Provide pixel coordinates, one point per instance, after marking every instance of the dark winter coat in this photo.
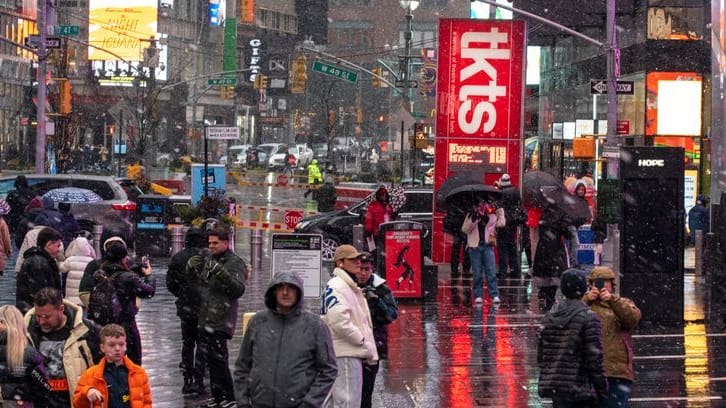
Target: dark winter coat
(384, 311)
(38, 271)
(18, 200)
(286, 360)
(326, 197)
(570, 353)
(29, 382)
(27, 222)
(551, 256)
(130, 285)
(221, 284)
(68, 228)
(698, 219)
(511, 202)
(184, 286)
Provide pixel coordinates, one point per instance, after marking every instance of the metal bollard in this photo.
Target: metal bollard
(256, 250)
(359, 238)
(698, 253)
(97, 232)
(177, 239)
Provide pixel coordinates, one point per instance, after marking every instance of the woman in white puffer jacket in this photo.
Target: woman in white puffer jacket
(78, 254)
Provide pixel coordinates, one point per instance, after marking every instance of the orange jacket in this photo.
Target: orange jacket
(139, 388)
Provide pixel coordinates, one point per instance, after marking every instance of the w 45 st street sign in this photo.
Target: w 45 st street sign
(335, 71)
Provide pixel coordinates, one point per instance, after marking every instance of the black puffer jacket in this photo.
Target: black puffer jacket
(29, 382)
(38, 271)
(185, 286)
(569, 353)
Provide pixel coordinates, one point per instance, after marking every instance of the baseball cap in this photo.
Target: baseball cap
(346, 252)
(366, 257)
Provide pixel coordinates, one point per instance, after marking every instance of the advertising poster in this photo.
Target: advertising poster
(403, 263)
(302, 254)
(124, 30)
(480, 89)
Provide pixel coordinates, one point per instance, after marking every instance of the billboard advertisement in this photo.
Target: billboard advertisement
(124, 30)
(479, 112)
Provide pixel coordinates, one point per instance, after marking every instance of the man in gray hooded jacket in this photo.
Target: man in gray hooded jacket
(287, 357)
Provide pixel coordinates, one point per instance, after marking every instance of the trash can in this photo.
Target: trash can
(152, 236)
(586, 246)
(400, 258)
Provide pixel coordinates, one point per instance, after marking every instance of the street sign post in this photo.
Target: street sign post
(600, 87)
(33, 41)
(222, 132)
(68, 30)
(222, 81)
(335, 71)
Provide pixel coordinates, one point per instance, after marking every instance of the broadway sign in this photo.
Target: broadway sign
(479, 105)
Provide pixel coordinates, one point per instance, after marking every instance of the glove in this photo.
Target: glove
(371, 295)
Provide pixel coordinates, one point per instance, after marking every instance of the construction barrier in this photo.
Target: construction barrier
(257, 225)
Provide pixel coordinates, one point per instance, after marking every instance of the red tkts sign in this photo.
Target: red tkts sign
(480, 77)
(479, 106)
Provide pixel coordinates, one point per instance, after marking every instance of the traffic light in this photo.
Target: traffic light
(64, 92)
(257, 81)
(331, 118)
(299, 75)
(378, 71)
(263, 81)
(359, 116)
(227, 92)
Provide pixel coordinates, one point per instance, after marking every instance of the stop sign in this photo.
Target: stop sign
(282, 180)
(292, 217)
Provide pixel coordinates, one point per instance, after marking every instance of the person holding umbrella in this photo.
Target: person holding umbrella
(480, 229)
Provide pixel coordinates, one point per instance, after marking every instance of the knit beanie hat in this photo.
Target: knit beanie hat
(573, 284)
(115, 249)
(505, 181)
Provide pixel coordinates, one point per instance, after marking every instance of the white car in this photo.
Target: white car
(275, 152)
(303, 156)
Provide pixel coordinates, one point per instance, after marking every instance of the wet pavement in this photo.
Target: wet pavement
(443, 354)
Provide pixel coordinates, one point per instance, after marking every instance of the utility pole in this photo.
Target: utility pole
(42, 90)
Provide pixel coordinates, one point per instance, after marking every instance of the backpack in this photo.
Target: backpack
(517, 216)
(104, 305)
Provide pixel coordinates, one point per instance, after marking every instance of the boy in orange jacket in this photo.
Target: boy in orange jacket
(115, 380)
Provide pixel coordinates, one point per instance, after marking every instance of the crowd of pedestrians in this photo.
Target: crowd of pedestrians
(72, 340)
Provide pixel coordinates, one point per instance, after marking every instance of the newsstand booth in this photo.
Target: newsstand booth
(652, 234)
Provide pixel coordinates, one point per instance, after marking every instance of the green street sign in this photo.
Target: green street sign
(222, 81)
(71, 30)
(335, 71)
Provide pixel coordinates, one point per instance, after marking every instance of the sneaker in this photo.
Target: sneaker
(210, 403)
(496, 299)
(227, 404)
(478, 301)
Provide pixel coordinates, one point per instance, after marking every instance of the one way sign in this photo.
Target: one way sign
(600, 87)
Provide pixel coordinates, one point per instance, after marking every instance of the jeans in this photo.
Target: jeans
(216, 357)
(348, 385)
(457, 247)
(509, 257)
(618, 393)
(482, 260)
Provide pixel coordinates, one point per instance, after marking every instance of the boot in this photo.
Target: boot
(197, 387)
(455, 298)
(187, 385)
(466, 301)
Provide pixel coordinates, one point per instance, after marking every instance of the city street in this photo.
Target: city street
(447, 355)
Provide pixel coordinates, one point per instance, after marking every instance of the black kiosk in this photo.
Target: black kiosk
(652, 231)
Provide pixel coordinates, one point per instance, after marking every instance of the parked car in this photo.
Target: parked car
(270, 149)
(114, 212)
(303, 156)
(320, 151)
(237, 155)
(337, 227)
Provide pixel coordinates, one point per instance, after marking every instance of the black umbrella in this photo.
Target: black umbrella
(540, 188)
(575, 210)
(459, 179)
(467, 196)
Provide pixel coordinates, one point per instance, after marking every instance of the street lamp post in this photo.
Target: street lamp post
(405, 66)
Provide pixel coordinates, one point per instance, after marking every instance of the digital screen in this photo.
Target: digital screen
(485, 158)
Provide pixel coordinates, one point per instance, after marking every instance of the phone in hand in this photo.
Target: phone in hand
(145, 261)
(599, 283)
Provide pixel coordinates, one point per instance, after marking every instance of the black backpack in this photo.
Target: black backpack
(104, 305)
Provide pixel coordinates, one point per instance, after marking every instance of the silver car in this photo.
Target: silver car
(115, 211)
